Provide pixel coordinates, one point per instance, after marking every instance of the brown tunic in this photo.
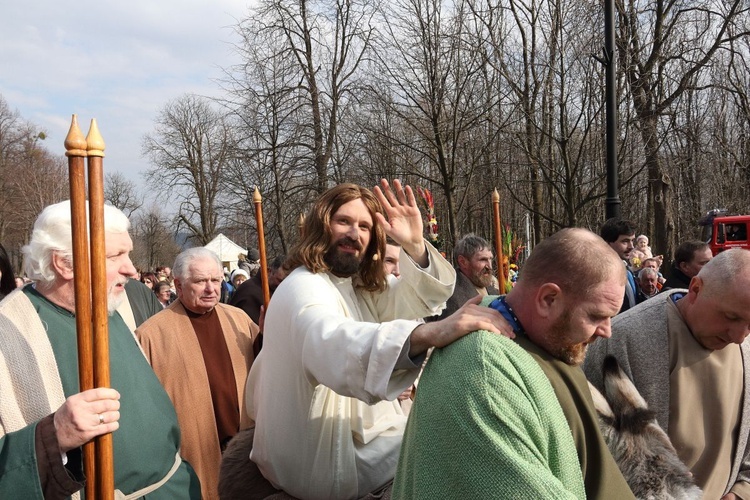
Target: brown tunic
(220, 374)
(704, 416)
(174, 351)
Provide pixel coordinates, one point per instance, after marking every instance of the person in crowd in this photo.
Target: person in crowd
(655, 264)
(249, 295)
(648, 284)
(7, 277)
(45, 417)
(342, 342)
(392, 258)
(474, 276)
(502, 418)
(642, 250)
(238, 277)
(249, 263)
(620, 234)
(163, 273)
(163, 293)
(201, 350)
(689, 259)
(149, 279)
(688, 355)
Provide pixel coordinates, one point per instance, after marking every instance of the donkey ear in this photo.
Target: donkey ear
(619, 388)
(600, 403)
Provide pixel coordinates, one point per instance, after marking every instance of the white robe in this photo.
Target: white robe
(334, 359)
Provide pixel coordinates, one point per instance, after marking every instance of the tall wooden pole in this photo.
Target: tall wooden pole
(257, 201)
(75, 146)
(501, 277)
(99, 292)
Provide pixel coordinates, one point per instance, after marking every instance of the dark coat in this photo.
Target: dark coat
(463, 291)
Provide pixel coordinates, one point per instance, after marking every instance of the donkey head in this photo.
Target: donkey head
(640, 447)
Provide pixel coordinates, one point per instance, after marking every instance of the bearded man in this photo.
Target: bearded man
(343, 340)
(473, 257)
(497, 418)
(44, 417)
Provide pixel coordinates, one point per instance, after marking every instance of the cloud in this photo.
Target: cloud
(119, 62)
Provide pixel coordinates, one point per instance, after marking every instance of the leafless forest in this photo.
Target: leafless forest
(460, 98)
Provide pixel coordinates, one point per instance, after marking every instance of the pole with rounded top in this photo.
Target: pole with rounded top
(501, 276)
(100, 314)
(257, 201)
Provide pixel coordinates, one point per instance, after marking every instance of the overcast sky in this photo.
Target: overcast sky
(118, 62)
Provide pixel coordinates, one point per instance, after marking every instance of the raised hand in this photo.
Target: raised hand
(85, 415)
(404, 222)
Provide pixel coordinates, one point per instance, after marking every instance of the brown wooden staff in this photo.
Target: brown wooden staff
(262, 247)
(502, 278)
(90, 284)
(75, 145)
(99, 292)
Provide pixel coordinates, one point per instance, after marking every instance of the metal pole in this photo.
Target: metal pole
(610, 60)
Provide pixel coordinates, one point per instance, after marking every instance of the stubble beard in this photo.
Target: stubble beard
(560, 345)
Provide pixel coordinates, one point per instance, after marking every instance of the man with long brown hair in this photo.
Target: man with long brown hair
(343, 340)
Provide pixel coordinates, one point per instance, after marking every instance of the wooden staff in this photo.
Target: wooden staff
(501, 276)
(99, 292)
(75, 146)
(262, 247)
(90, 284)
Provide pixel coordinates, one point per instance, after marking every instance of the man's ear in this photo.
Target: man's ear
(694, 288)
(680, 266)
(63, 266)
(462, 262)
(177, 285)
(548, 300)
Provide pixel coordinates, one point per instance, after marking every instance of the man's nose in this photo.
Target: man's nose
(739, 333)
(353, 232)
(128, 269)
(604, 330)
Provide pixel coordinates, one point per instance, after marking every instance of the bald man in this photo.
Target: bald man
(687, 353)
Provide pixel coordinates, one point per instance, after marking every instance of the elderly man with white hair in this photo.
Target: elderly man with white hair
(201, 350)
(44, 417)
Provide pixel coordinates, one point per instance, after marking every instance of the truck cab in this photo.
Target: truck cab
(723, 231)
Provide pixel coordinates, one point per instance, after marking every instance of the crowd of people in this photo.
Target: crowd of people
(379, 369)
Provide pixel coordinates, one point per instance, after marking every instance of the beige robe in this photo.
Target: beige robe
(172, 348)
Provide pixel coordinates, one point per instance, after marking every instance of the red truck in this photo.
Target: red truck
(722, 231)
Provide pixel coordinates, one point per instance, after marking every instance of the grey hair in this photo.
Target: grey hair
(722, 271)
(647, 271)
(183, 260)
(52, 234)
(469, 245)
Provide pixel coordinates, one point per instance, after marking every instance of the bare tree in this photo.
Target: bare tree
(122, 193)
(430, 78)
(154, 242)
(190, 149)
(30, 177)
(664, 48)
(326, 43)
